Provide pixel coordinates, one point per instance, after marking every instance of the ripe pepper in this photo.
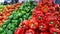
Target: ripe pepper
(56, 5)
(59, 17)
(51, 9)
(37, 32)
(55, 14)
(44, 1)
(37, 8)
(5, 17)
(35, 12)
(44, 33)
(54, 30)
(47, 15)
(51, 21)
(33, 24)
(30, 31)
(40, 17)
(19, 31)
(50, 3)
(40, 5)
(43, 27)
(45, 9)
(0, 17)
(25, 24)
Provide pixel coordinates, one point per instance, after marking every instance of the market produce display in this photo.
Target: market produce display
(45, 20)
(7, 12)
(23, 13)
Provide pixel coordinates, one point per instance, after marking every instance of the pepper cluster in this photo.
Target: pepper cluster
(6, 12)
(45, 20)
(16, 17)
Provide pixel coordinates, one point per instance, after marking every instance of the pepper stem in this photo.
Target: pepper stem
(55, 33)
(32, 25)
(41, 26)
(45, 9)
(40, 18)
(51, 22)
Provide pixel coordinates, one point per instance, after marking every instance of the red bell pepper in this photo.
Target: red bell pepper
(51, 9)
(44, 1)
(40, 17)
(43, 26)
(51, 21)
(25, 24)
(48, 3)
(56, 5)
(45, 9)
(54, 30)
(40, 5)
(30, 31)
(59, 18)
(33, 24)
(19, 31)
(37, 32)
(35, 12)
(47, 15)
(44, 33)
(57, 25)
(55, 14)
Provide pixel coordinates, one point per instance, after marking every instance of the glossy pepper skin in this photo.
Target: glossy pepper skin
(40, 5)
(50, 3)
(19, 31)
(45, 9)
(30, 31)
(33, 24)
(57, 25)
(59, 17)
(47, 15)
(51, 9)
(40, 17)
(35, 12)
(56, 5)
(43, 26)
(25, 24)
(55, 14)
(51, 21)
(37, 32)
(54, 30)
(44, 33)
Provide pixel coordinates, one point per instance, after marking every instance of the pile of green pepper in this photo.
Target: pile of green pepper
(23, 13)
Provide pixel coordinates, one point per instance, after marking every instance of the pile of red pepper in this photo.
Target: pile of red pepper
(45, 20)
